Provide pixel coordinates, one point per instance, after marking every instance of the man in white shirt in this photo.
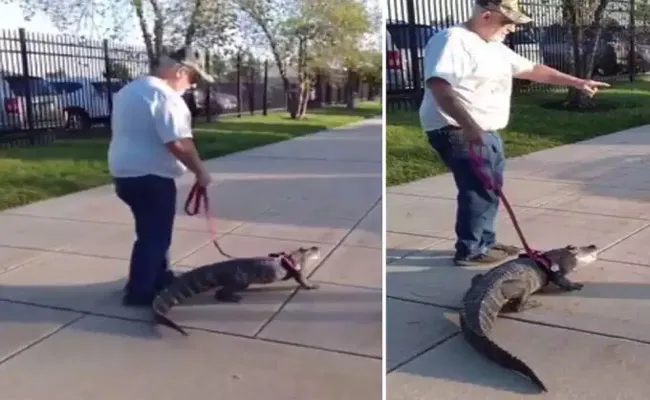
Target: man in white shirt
(151, 145)
(468, 74)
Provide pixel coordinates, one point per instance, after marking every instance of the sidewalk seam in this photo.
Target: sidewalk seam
(40, 340)
(323, 261)
(422, 352)
(526, 321)
(84, 314)
(541, 207)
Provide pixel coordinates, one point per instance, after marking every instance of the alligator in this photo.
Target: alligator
(507, 288)
(234, 275)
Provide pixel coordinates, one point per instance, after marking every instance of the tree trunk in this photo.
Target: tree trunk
(146, 35)
(349, 90)
(191, 29)
(158, 22)
(583, 62)
(293, 101)
(273, 43)
(304, 99)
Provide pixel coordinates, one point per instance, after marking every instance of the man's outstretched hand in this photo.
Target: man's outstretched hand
(589, 87)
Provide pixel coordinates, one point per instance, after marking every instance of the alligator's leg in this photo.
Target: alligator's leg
(518, 297)
(520, 304)
(564, 283)
(227, 295)
(230, 284)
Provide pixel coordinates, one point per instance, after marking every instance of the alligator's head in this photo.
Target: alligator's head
(568, 258)
(301, 258)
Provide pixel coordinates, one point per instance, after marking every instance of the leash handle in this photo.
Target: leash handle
(198, 196)
(477, 161)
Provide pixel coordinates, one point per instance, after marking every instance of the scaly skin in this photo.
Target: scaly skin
(507, 288)
(231, 276)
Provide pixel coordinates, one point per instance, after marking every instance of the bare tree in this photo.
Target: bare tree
(161, 22)
(310, 35)
(583, 17)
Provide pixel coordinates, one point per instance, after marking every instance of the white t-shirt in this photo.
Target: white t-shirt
(479, 72)
(147, 113)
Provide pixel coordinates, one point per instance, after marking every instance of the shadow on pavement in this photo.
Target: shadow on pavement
(104, 299)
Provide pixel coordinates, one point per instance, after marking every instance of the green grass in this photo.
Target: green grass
(532, 128)
(32, 174)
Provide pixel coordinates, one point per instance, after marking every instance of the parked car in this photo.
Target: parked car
(220, 102)
(398, 53)
(394, 68)
(612, 50)
(47, 112)
(85, 100)
(524, 41)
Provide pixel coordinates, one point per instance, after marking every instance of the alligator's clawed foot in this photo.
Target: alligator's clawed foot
(517, 306)
(563, 283)
(227, 297)
(530, 304)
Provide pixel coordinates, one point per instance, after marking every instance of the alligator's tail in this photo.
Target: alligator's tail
(162, 304)
(492, 351)
(181, 289)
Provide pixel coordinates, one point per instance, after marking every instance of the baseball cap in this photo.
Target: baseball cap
(508, 8)
(190, 58)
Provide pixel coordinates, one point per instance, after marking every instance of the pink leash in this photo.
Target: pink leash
(495, 185)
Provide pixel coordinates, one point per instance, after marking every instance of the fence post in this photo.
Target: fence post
(265, 93)
(632, 52)
(238, 84)
(109, 74)
(415, 61)
(208, 89)
(28, 92)
(330, 95)
(251, 87)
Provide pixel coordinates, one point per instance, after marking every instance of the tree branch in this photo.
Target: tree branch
(191, 28)
(146, 35)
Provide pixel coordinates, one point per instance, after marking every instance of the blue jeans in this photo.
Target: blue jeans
(152, 200)
(476, 207)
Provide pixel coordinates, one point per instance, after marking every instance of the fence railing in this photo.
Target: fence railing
(623, 48)
(63, 84)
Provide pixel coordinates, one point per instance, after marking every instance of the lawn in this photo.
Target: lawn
(32, 174)
(532, 128)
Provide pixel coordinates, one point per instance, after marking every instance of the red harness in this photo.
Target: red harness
(496, 184)
(199, 195)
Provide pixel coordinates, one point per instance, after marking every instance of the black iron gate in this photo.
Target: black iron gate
(410, 24)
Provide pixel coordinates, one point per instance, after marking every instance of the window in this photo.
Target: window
(101, 86)
(523, 37)
(66, 87)
(37, 86)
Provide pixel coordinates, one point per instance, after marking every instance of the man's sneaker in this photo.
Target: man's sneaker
(167, 279)
(491, 257)
(128, 300)
(509, 250)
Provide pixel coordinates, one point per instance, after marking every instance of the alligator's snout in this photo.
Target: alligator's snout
(305, 256)
(587, 254)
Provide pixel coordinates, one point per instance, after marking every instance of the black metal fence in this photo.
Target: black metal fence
(623, 48)
(51, 84)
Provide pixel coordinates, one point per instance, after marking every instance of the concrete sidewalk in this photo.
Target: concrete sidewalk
(591, 344)
(63, 264)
